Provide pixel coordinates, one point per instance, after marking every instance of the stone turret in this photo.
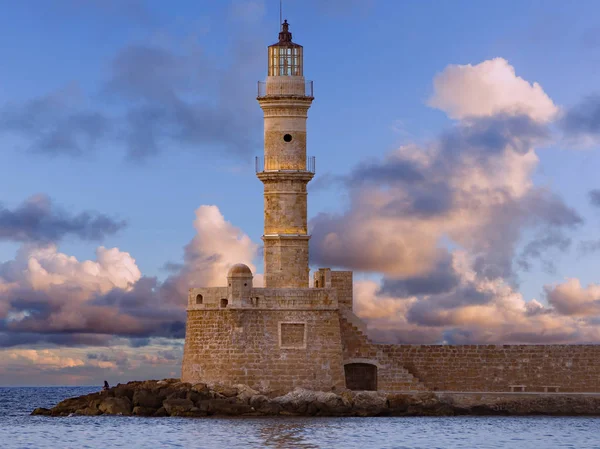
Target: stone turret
(239, 285)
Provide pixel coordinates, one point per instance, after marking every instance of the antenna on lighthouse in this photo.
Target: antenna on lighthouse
(280, 14)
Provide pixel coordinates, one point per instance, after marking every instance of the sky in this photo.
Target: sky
(457, 147)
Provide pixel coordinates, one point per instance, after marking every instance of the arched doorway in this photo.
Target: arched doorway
(361, 376)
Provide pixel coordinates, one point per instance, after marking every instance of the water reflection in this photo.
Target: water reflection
(19, 430)
(284, 434)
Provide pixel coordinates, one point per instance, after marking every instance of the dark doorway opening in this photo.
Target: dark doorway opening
(361, 376)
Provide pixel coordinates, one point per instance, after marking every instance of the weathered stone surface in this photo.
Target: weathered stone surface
(225, 390)
(494, 368)
(92, 410)
(161, 412)
(116, 406)
(146, 398)
(143, 411)
(42, 411)
(369, 403)
(303, 402)
(177, 407)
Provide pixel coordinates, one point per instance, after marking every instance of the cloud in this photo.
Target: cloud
(472, 186)
(170, 98)
(445, 222)
(51, 298)
(581, 123)
(473, 310)
(441, 279)
(536, 248)
(89, 366)
(570, 298)
(487, 89)
(59, 123)
(166, 93)
(38, 220)
(594, 196)
(587, 247)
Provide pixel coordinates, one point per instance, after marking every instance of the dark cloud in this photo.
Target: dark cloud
(583, 119)
(536, 249)
(392, 171)
(594, 196)
(50, 317)
(155, 96)
(38, 220)
(433, 310)
(56, 123)
(10, 339)
(442, 279)
(587, 247)
(486, 136)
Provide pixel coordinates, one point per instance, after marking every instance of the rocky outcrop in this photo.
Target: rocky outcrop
(170, 397)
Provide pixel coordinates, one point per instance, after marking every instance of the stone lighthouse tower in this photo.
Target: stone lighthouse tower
(285, 98)
(285, 334)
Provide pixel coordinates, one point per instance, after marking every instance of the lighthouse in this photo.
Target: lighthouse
(285, 170)
(284, 334)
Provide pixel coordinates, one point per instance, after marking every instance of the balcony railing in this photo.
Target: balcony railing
(280, 164)
(285, 86)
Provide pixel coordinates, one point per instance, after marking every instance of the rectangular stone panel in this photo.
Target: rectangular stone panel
(292, 335)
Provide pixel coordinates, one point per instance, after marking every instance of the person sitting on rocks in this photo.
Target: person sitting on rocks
(106, 386)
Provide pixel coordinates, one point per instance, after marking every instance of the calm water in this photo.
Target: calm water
(19, 430)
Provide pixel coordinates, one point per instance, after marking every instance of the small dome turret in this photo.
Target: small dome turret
(239, 270)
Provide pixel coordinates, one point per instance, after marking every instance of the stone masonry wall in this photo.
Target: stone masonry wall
(342, 282)
(246, 346)
(391, 375)
(286, 261)
(571, 368)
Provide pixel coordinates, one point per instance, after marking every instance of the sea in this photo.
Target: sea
(20, 430)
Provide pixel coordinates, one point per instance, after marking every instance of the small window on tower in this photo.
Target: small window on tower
(287, 137)
(199, 299)
(224, 303)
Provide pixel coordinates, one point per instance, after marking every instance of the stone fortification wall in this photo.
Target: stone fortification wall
(529, 368)
(264, 349)
(391, 376)
(265, 298)
(341, 281)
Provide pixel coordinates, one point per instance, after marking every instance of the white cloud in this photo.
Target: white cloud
(489, 88)
(46, 269)
(571, 298)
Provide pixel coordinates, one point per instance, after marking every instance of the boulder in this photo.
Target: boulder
(147, 398)
(143, 411)
(42, 411)
(161, 412)
(244, 392)
(227, 407)
(115, 406)
(302, 401)
(88, 411)
(200, 388)
(177, 407)
(225, 391)
(369, 403)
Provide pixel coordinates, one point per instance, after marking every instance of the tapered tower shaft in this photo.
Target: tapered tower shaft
(285, 98)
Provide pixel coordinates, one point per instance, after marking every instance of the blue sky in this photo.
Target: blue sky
(78, 71)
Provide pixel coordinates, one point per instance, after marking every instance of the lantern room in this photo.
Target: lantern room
(285, 57)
